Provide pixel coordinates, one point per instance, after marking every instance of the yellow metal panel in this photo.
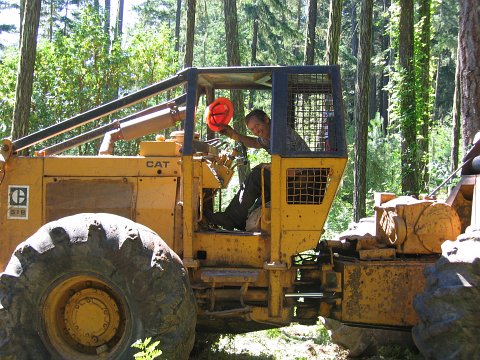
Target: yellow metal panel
(111, 166)
(232, 248)
(275, 295)
(309, 216)
(275, 209)
(20, 203)
(377, 254)
(188, 192)
(294, 242)
(156, 201)
(213, 176)
(160, 148)
(207, 175)
(381, 292)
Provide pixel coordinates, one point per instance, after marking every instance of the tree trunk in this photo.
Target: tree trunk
(456, 111)
(299, 14)
(353, 18)
(253, 47)
(424, 110)
(177, 25)
(65, 17)
(372, 99)
(22, 13)
(106, 26)
(119, 22)
(233, 59)
(309, 55)
(362, 92)
(469, 45)
(333, 33)
(205, 47)
(297, 47)
(26, 66)
(188, 59)
(436, 102)
(408, 122)
(231, 32)
(253, 56)
(384, 78)
(50, 22)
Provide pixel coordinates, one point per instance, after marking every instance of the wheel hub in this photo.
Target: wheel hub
(91, 317)
(83, 316)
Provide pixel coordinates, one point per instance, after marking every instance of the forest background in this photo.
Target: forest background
(403, 77)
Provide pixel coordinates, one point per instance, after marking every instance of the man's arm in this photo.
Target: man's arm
(248, 141)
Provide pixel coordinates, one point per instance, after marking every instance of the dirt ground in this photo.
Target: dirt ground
(292, 342)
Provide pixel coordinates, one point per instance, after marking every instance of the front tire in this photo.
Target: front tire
(90, 285)
(448, 308)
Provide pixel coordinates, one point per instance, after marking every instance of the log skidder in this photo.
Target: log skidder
(89, 285)
(448, 309)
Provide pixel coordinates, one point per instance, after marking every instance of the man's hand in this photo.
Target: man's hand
(227, 130)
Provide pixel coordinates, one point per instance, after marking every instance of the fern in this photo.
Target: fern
(148, 350)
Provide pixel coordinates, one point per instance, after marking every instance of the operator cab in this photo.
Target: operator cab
(304, 99)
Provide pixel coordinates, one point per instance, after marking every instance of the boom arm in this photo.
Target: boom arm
(141, 126)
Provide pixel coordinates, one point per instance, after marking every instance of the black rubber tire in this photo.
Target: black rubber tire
(449, 324)
(131, 258)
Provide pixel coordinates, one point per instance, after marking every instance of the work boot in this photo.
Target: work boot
(220, 219)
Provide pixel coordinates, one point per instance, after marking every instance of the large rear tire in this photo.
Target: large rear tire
(90, 285)
(449, 307)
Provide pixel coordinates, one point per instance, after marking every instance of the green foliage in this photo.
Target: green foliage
(150, 57)
(8, 76)
(440, 148)
(383, 175)
(75, 73)
(323, 335)
(383, 162)
(273, 333)
(148, 349)
(277, 34)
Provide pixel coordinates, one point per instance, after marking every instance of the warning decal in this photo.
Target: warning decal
(18, 198)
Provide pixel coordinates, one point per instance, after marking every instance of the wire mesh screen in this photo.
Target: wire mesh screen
(307, 185)
(310, 110)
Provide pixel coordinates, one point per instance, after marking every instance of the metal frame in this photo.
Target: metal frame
(199, 81)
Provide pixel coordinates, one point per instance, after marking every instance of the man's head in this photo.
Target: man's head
(258, 123)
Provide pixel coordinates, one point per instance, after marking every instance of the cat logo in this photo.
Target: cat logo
(18, 199)
(158, 164)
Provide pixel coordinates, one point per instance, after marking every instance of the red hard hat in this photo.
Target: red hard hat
(218, 113)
